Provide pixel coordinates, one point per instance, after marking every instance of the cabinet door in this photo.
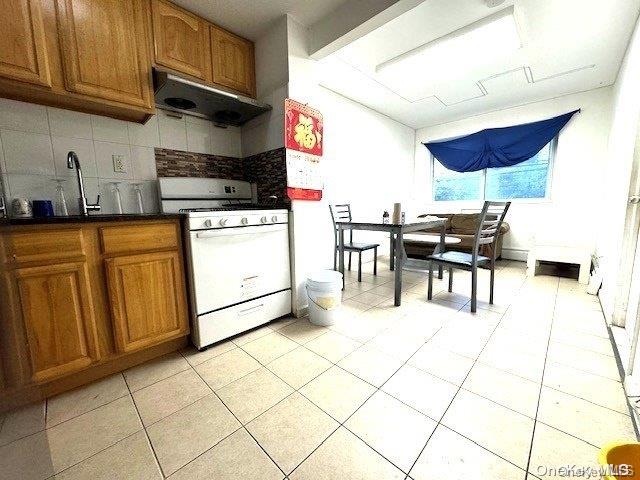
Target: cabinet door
(147, 295)
(104, 52)
(58, 317)
(181, 40)
(23, 54)
(233, 61)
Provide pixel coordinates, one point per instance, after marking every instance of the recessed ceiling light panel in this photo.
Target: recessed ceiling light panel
(481, 42)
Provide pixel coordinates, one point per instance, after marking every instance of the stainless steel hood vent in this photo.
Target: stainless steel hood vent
(180, 95)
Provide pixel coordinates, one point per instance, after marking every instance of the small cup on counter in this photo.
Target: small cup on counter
(21, 208)
(42, 208)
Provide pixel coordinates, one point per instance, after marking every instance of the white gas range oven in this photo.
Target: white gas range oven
(238, 256)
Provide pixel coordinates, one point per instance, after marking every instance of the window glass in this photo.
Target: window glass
(528, 179)
(449, 185)
(525, 180)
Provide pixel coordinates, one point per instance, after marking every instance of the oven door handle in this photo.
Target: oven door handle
(252, 230)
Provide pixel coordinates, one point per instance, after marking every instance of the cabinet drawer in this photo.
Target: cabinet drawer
(139, 238)
(48, 245)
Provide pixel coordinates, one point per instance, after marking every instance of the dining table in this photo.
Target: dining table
(396, 232)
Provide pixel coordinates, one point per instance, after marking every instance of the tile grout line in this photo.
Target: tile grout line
(439, 422)
(535, 422)
(377, 389)
(45, 428)
(135, 406)
(242, 426)
(97, 453)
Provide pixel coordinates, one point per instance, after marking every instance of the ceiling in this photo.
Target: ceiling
(250, 18)
(566, 46)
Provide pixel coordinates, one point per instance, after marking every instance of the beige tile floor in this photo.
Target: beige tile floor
(424, 391)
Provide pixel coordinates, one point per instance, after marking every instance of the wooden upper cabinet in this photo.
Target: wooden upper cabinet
(148, 299)
(104, 50)
(23, 52)
(233, 61)
(57, 311)
(181, 40)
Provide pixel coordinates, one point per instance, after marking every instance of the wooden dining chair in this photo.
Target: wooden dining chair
(489, 224)
(342, 213)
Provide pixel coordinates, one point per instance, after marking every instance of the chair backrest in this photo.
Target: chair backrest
(340, 213)
(489, 224)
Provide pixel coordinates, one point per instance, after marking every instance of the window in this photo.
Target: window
(529, 179)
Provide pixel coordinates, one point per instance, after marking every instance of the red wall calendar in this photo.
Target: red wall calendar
(304, 143)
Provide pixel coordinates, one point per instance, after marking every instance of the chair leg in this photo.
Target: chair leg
(359, 266)
(349, 261)
(430, 288)
(335, 259)
(375, 260)
(450, 279)
(474, 289)
(491, 280)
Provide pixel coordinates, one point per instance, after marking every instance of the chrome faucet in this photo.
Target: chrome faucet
(85, 207)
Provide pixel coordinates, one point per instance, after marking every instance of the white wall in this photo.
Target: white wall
(624, 129)
(573, 210)
(35, 141)
(266, 132)
(367, 161)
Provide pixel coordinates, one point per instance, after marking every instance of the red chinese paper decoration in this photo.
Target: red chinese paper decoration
(303, 128)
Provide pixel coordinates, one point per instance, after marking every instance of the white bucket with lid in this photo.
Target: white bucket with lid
(324, 289)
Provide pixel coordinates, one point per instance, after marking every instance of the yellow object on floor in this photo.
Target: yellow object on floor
(621, 461)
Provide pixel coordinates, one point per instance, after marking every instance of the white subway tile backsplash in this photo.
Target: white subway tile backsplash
(107, 129)
(83, 148)
(173, 131)
(143, 160)
(25, 117)
(198, 135)
(33, 187)
(27, 153)
(225, 141)
(67, 123)
(35, 140)
(146, 135)
(104, 160)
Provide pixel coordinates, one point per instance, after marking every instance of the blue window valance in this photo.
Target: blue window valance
(497, 147)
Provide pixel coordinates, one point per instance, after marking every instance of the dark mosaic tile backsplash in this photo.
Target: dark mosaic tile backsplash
(267, 170)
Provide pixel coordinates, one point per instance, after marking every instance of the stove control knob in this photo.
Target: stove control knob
(207, 223)
(264, 220)
(274, 219)
(244, 220)
(223, 222)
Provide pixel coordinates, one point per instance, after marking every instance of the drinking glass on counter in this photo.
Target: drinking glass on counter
(137, 188)
(60, 206)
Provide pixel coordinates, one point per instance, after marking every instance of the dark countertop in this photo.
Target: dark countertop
(92, 218)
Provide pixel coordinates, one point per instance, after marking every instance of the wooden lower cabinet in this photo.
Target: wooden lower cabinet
(57, 311)
(76, 312)
(146, 294)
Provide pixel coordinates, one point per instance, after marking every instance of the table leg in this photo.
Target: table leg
(440, 248)
(341, 253)
(398, 275)
(391, 252)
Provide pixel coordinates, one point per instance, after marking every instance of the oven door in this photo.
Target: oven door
(233, 265)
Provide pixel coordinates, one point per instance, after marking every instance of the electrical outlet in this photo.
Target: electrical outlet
(118, 164)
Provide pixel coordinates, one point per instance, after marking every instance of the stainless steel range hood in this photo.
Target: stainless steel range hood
(180, 95)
